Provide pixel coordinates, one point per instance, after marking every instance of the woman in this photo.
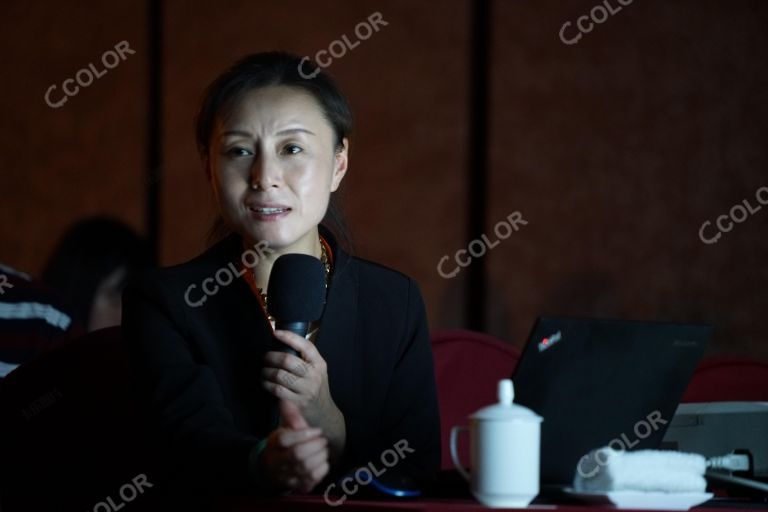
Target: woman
(275, 147)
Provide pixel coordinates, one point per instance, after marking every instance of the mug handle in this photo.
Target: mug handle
(454, 453)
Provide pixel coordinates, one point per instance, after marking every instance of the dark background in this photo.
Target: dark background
(615, 149)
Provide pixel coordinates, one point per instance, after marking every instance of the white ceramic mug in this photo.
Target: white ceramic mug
(504, 452)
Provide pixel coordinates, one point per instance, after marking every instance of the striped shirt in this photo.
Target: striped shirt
(32, 319)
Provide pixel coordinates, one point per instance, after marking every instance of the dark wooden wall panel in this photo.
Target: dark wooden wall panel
(85, 157)
(616, 150)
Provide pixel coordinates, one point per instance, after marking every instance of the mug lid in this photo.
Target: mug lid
(506, 409)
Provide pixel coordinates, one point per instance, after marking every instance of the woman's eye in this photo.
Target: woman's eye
(236, 151)
(292, 149)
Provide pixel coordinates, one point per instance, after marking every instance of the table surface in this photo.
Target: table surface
(314, 503)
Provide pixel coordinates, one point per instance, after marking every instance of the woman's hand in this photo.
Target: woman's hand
(303, 381)
(296, 456)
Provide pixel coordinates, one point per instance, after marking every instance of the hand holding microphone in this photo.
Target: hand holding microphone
(304, 383)
(296, 298)
(295, 370)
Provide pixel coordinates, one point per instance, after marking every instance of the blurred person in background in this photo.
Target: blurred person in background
(32, 319)
(90, 266)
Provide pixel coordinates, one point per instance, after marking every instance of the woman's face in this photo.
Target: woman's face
(273, 166)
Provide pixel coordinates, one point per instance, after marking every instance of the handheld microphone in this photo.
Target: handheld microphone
(296, 294)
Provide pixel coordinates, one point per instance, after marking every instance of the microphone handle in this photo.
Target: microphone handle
(301, 328)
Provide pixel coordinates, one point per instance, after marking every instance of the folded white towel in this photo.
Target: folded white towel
(607, 469)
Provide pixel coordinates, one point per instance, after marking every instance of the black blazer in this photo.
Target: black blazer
(200, 366)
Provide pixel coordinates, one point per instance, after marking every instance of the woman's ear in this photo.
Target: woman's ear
(340, 163)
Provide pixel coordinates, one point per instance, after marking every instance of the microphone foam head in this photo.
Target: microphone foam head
(296, 291)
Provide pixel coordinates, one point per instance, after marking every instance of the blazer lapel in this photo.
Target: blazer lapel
(336, 339)
(242, 334)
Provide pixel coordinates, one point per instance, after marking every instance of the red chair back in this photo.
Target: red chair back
(468, 367)
(728, 378)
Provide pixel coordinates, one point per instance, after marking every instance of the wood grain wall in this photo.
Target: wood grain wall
(615, 149)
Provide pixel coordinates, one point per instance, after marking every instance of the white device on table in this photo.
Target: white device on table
(716, 428)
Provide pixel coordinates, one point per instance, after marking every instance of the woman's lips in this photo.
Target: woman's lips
(269, 213)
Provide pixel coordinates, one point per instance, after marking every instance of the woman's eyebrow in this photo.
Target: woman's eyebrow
(289, 131)
(241, 133)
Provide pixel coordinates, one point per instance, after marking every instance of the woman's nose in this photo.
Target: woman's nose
(265, 173)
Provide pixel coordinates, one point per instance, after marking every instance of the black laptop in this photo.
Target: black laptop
(603, 382)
